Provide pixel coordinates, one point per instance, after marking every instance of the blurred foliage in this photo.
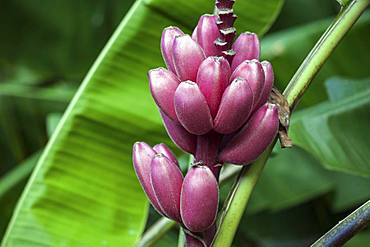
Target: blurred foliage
(84, 187)
(329, 132)
(23, 110)
(300, 12)
(11, 187)
(58, 38)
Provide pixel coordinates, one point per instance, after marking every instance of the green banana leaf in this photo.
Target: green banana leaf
(293, 176)
(336, 132)
(359, 240)
(339, 88)
(350, 191)
(287, 167)
(297, 226)
(290, 178)
(83, 191)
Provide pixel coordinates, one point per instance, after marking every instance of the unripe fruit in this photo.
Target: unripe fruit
(142, 156)
(207, 33)
(163, 84)
(269, 81)
(213, 78)
(182, 138)
(162, 148)
(187, 56)
(191, 108)
(235, 107)
(166, 179)
(254, 138)
(168, 37)
(199, 199)
(252, 71)
(246, 47)
(194, 34)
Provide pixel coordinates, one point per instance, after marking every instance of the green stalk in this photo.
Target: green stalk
(246, 181)
(323, 49)
(155, 232)
(238, 198)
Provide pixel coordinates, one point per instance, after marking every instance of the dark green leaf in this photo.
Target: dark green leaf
(299, 226)
(337, 133)
(339, 88)
(360, 240)
(299, 12)
(290, 178)
(350, 191)
(58, 38)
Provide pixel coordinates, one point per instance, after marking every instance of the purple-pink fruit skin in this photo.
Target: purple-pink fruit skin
(183, 139)
(187, 56)
(252, 71)
(190, 241)
(254, 138)
(269, 82)
(213, 78)
(191, 108)
(163, 84)
(194, 34)
(168, 37)
(209, 234)
(142, 155)
(235, 107)
(246, 47)
(162, 148)
(166, 179)
(207, 33)
(199, 199)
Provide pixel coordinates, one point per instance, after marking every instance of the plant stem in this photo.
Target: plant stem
(181, 241)
(322, 50)
(346, 228)
(155, 232)
(239, 196)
